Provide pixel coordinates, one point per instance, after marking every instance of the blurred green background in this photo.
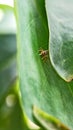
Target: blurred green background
(10, 111)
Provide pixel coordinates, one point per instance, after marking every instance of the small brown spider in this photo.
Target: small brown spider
(43, 54)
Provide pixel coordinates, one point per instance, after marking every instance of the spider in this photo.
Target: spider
(43, 53)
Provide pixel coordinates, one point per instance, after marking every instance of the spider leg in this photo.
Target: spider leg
(43, 54)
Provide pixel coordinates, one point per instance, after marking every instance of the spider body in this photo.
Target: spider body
(43, 54)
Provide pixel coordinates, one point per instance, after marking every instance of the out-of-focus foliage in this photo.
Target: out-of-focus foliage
(11, 117)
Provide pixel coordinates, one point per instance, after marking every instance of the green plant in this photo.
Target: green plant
(44, 88)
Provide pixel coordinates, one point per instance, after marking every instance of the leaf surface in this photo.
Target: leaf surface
(60, 22)
(40, 85)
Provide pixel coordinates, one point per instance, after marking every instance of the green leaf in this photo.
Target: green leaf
(39, 83)
(48, 122)
(60, 22)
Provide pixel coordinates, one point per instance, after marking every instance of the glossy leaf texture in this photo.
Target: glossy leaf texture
(40, 85)
(60, 22)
